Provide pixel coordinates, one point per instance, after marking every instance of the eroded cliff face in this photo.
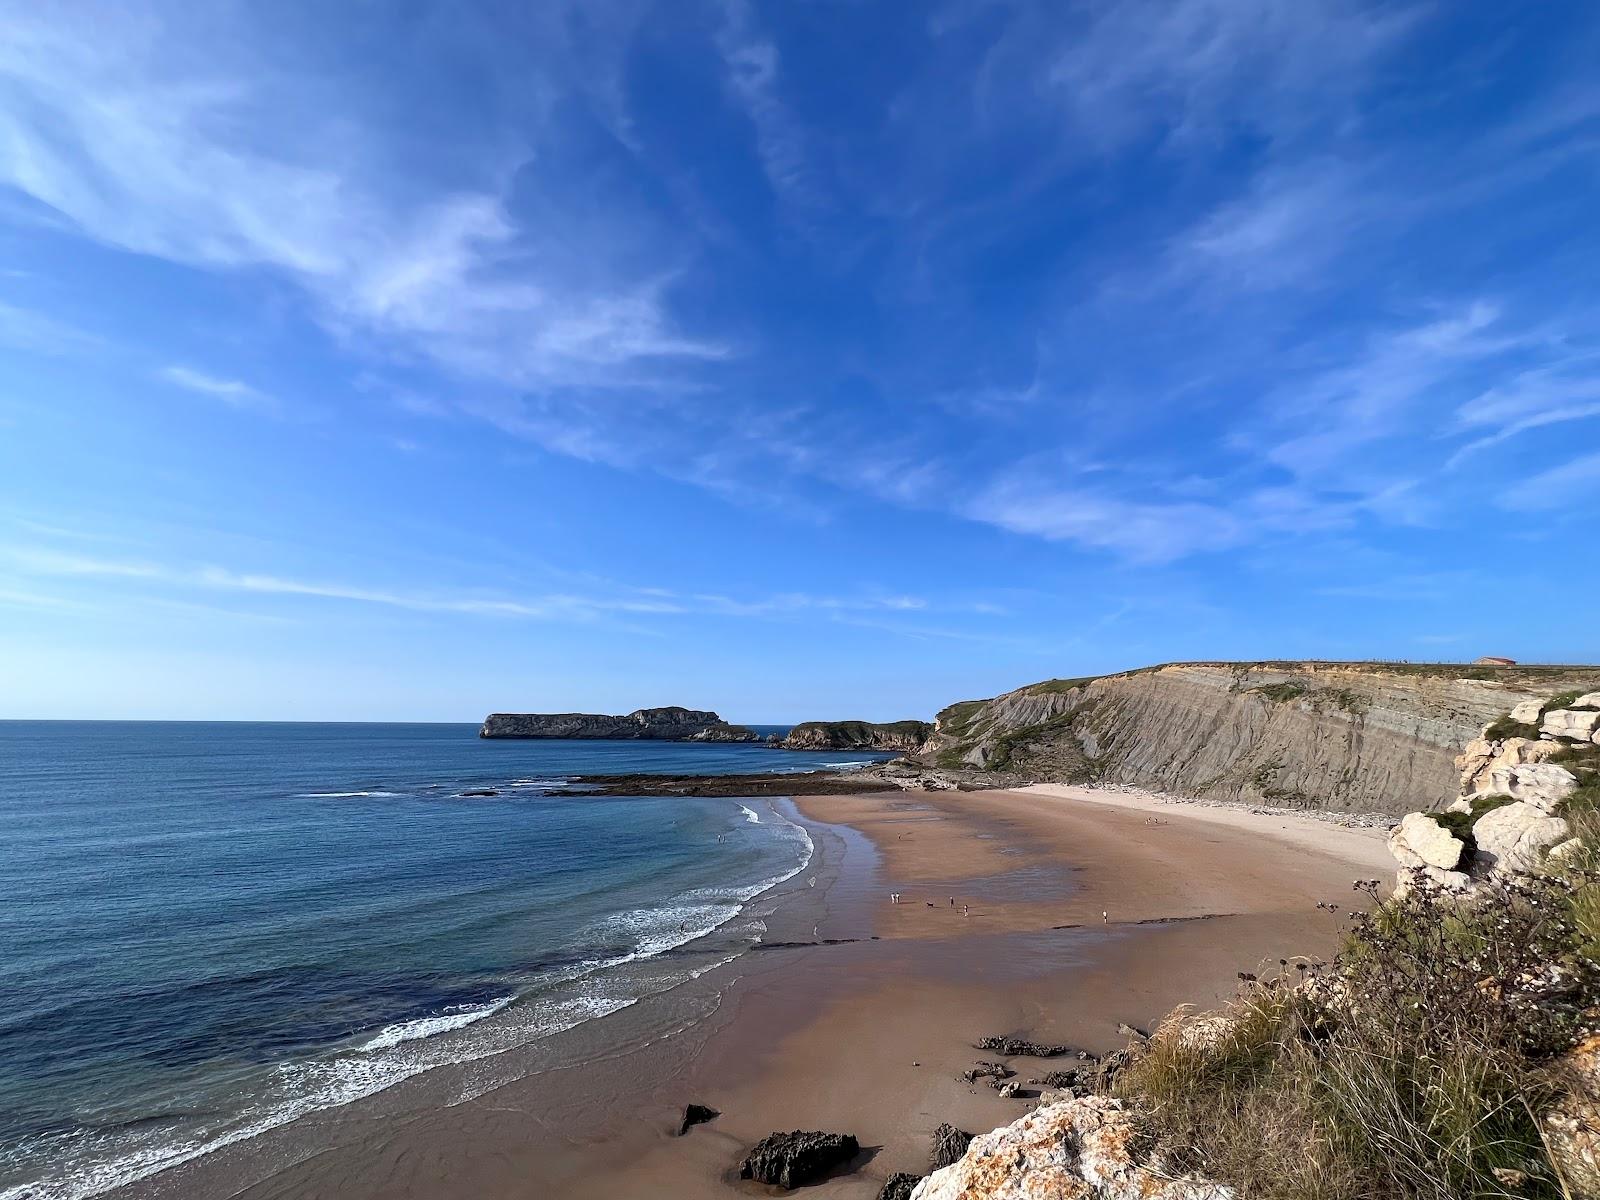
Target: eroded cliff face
(1350, 736)
(662, 724)
(902, 736)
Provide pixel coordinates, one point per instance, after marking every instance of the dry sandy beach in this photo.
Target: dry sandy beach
(1049, 912)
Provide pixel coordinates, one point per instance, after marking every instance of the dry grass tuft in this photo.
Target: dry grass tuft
(1411, 1067)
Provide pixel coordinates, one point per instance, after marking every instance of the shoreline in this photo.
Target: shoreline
(868, 1034)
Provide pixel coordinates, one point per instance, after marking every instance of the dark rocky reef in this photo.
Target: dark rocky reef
(1021, 1046)
(672, 724)
(949, 1144)
(904, 736)
(797, 783)
(788, 1160)
(900, 1185)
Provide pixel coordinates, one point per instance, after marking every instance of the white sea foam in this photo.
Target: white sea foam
(750, 815)
(410, 1048)
(341, 795)
(457, 1017)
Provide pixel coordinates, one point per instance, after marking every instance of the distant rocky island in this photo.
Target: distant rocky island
(670, 724)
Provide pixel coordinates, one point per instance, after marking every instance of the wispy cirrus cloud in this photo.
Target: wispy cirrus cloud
(233, 392)
(1560, 487)
(173, 144)
(564, 605)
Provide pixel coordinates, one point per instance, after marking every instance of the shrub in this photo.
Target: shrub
(1410, 1068)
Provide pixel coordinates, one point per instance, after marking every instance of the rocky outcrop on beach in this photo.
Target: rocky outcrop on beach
(1515, 781)
(670, 724)
(788, 1160)
(1360, 737)
(903, 736)
(1079, 1149)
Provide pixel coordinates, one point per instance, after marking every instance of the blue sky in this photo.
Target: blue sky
(814, 359)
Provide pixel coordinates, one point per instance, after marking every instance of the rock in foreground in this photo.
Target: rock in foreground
(899, 1186)
(949, 1144)
(1076, 1150)
(696, 1114)
(790, 1159)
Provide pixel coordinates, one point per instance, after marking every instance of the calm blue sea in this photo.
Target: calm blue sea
(209, 929)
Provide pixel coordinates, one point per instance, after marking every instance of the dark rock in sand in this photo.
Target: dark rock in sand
(949, 1144)
(696, 1114)
(1106, 1072)
(1061, 1080)
(987, 1070)
(790, 1159)
(1009, 1045)
(900, 1186)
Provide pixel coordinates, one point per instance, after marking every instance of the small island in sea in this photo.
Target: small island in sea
(669, 724)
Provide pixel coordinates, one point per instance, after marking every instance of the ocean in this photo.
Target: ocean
(210, 929)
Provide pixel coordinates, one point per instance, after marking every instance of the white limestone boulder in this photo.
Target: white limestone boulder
(1420, 841)
(1514, 838)
(1572, 1125)
(1082, 1149)
(1409, 879)
(1592, 700)
(1527, 713)
(1578, 725)
(1482, 756)
(1544, 785)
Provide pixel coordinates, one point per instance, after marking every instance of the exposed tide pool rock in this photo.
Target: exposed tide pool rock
(1081, 1149)
(788, 1160)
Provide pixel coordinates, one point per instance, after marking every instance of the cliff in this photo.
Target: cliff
(902, 736)
(1372, 737)
(671, 724)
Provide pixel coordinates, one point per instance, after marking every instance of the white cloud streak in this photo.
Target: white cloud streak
(168, 143)
(232, 392)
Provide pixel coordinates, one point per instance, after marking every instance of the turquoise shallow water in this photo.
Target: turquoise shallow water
(208, 929)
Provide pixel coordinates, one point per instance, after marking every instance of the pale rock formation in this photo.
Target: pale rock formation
(1572, 1126)
(1580, 726)
(1420, 841)
(1451, 881)
(1546, 786)
(1080, 1149)
(1592, 700)
(1516, 837)
(1483, 755)
(1527, 713)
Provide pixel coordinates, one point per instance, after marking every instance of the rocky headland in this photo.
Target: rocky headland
(1356, 737)
(905, 736)
(671, 724)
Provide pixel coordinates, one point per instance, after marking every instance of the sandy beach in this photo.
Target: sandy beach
(1053, 913)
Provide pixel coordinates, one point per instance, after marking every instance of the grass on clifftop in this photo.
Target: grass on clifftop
(1414, 1067)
